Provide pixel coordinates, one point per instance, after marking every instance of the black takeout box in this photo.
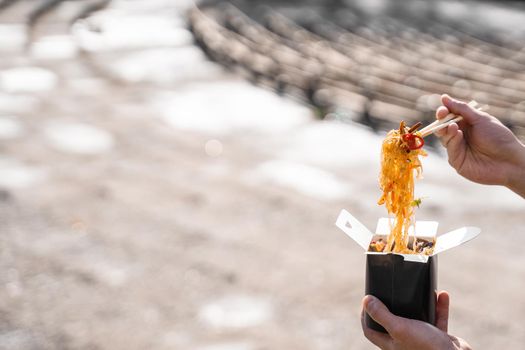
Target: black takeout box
(405, 283)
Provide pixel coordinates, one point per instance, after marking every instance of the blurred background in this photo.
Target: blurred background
(171, 171)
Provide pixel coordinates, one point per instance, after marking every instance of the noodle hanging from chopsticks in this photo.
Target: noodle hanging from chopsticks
(400, 164)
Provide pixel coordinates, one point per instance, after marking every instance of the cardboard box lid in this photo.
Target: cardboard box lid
(362, 236)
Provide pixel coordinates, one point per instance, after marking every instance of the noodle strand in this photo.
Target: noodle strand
(399, 166)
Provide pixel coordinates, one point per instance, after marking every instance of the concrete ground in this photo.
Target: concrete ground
(151, 200)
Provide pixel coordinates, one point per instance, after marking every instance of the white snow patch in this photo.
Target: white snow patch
(10, 127)
(164, 66)
(17, 103)
(78, 138)
(12, 37)
(237, 311)
(224, 107)
(305, 179)
(15, 175)
(330, 143)
(56, 47)
(27, 79)
(460, 195)
(116, 30)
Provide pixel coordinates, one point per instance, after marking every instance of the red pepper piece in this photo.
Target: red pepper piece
(413, 141)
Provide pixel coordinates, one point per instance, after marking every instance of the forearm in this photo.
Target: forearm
(516, 176)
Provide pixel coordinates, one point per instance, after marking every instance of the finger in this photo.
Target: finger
(381, 340)
(380, 313)
(442, 311)
(471, 115)
(448, 133)
(456, 149)
(441, 133)
(452, 130)
(442, 112)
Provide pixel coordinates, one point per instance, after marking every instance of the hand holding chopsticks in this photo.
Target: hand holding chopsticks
(443, 123)
(413, 139)
(483, 150)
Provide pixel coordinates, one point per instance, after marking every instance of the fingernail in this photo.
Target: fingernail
(371, 301)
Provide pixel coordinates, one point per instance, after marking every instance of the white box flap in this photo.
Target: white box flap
(383, 226)
(415, 257)
(354, 229)
(423, 229)
(454, 238)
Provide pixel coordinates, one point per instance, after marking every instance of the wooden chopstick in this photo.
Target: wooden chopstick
(444, 122)
(450, 116)
(440, 126)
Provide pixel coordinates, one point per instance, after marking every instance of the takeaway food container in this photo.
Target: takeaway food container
(405, 283)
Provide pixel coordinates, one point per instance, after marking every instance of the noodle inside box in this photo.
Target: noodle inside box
(405, 283)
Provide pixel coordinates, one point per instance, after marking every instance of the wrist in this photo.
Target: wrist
(516, 174)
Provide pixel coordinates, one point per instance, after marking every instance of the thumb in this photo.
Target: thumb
(442, 311)
(380, 313)
(469, 114)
